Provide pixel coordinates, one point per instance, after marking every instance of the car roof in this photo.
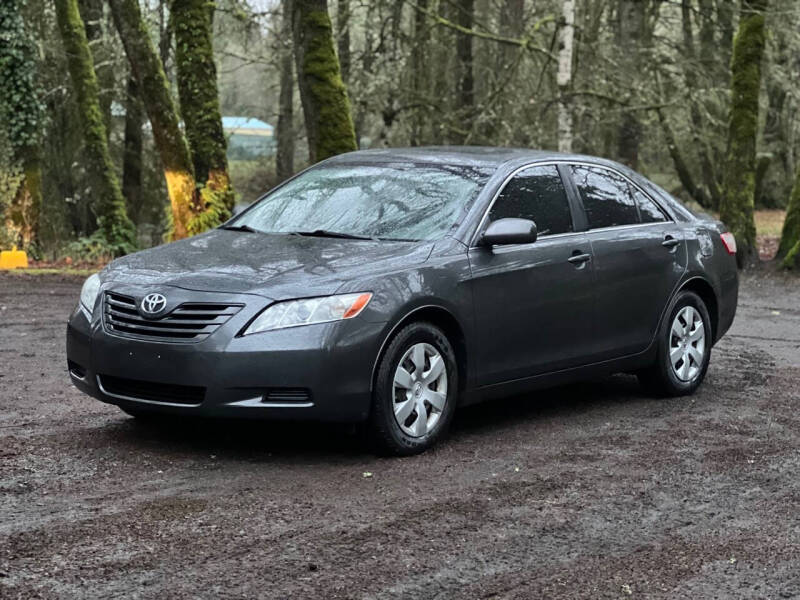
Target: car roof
(484, 156)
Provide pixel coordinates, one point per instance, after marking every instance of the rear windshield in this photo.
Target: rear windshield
(393, 201)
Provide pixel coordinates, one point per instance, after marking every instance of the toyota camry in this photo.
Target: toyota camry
(392, 287)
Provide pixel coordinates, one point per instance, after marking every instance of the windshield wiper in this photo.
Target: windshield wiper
(332, 234)
(245, 228)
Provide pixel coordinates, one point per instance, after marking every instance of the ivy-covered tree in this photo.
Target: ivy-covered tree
(188, 209)
(738, 190)
(326, 105)
(193, 26)
(21, 117)
(108, 203)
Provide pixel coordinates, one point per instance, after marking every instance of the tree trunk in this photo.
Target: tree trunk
(326, 106)
(169, 139)
(736, 209)
(21, 114)
(566, 37)
(630, 34)
(465, 95)
(132, 153)
(711, 193)
(789, 248)
(108, 202)
(92, 14)
(343, 37)
(284, 157)
(193, 27)
(420, 73)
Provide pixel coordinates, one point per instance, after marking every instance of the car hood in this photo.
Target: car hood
(272, 265)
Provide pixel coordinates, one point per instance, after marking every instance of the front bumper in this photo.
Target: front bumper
(316, 372)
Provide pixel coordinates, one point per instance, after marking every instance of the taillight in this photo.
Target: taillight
(729, 241)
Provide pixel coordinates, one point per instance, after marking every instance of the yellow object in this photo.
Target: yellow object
(12, 259)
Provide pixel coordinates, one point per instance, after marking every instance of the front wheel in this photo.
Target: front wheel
(684, 349)
(415, 391)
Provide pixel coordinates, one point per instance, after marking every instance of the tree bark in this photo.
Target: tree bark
(92, 14)
(146, 65)
(737, 205)
(343, 37)
(132, 152)
(284, 157)
(789, 248)
(193, 24)
(566, 37)
(630, 34)
(108, 202)
(420, 73)
(465, 96)
(711, 195)
(326, 106)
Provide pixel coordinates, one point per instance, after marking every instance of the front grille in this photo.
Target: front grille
(153, 391)
(189, 322)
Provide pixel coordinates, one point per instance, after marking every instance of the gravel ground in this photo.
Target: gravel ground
(586, 491)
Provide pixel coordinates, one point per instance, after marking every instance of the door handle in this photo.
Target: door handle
(670, 242)
(577, 259)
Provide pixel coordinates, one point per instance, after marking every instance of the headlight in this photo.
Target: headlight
(91, 288)
(293, 313)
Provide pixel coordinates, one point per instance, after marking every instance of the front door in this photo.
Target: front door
(533, 302)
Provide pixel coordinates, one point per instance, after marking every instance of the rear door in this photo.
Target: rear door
(534, 302)
(639, 257)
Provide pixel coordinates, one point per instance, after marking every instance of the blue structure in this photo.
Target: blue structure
(248, 138)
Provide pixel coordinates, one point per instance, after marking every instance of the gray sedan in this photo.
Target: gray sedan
(390, 287)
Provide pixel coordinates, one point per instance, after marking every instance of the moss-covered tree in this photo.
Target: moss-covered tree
(188, 209)
(284, 132)
(192, 25)
(738, 190)
(21, 117)
(326, 106)
(108, 203)
(789, 249)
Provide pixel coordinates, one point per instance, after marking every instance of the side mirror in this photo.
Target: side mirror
(504, 232)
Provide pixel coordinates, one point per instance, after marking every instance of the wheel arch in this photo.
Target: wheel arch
(708, 295)
(444, 319)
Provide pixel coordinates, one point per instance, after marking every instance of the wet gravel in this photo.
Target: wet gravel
(586, 491)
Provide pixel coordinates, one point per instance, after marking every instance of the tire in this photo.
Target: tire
(436, 391)
(678, 370)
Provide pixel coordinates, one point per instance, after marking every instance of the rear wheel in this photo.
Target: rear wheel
(415, 391)
(684, 349)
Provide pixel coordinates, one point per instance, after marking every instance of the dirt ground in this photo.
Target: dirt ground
(588, 491)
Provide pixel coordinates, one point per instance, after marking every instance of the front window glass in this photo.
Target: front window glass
(606, 197)
(536, 194)
(391, 201)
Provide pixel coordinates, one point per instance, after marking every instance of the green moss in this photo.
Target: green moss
(108, 202)
(790, 237)
(192, 23)
(326, 105)
(737, 205)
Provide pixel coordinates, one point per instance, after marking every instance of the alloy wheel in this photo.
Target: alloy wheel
(687, 343)
(419, 390)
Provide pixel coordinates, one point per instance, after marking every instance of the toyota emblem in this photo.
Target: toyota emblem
(152, 304)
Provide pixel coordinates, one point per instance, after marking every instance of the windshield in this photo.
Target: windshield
(397, 201)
